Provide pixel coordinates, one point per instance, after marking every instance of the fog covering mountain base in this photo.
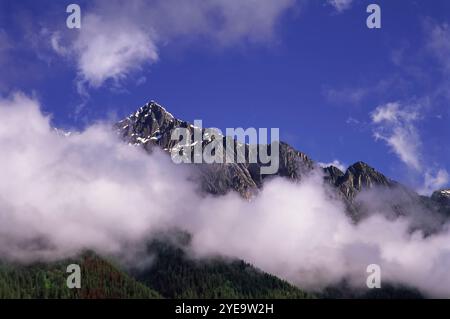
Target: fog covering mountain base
(61, 194)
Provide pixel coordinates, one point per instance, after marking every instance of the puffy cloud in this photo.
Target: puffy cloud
(120, 37)
(111, 50)
(60, 194)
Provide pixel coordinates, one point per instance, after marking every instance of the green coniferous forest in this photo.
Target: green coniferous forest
(171, 275)
(100, 279)
(175, 275)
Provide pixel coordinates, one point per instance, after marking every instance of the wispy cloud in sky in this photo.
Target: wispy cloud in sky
(435, 182)
(118, 38)
(341, 5)
(357, 95)
(395, 125)
(418, 80)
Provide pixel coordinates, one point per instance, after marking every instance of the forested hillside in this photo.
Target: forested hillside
(100, 279)
(175, 275)
(172, 275)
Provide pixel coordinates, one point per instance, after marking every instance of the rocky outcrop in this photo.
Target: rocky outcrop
(360, 176)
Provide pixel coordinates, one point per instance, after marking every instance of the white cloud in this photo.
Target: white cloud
(388, 112)
(251, 19)
(433, 182)
(111, 50)
(405, 142)
(69, 193)
(340, 5)
(335, 163)
(62, 194)
(118, 38)
(395, 125)
(393, 113)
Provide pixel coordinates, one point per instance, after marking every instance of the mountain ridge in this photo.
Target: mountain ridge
(152, 125)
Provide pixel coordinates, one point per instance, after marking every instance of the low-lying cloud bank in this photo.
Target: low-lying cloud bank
(63, 194)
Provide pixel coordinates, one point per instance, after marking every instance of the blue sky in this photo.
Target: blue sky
(336, 89)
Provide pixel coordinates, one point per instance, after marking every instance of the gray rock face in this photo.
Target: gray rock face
(152, 126)
(360, 176)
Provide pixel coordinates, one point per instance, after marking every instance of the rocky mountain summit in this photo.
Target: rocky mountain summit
(152, 126)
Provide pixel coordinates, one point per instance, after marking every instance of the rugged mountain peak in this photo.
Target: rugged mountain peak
(367, 174)
(360, 166)
(154, 109)
(152, 125)
(360, 176)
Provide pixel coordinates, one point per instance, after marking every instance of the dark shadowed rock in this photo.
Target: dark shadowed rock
(332, 174)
